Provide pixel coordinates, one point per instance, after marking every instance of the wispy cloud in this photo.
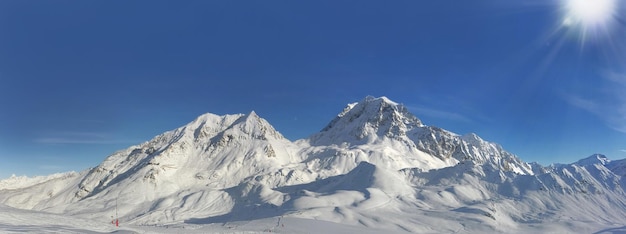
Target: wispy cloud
(616, 77)
(83, 134)
(50, 167)
(624, 150)
(584, 104)
(80, 138)
(58, 140)
(434, 113)
(611, 106)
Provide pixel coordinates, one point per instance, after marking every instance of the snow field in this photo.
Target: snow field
(375, 168)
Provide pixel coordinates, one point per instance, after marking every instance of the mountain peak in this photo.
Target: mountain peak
(593, 159)
(373, 155)
(381, 99)
(253, 114)
(472, 138)
(368, 119)
(255, 126)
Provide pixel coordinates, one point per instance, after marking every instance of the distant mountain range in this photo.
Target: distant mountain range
(374, 165)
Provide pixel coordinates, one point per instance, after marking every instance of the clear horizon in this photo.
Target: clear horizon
(81, 80)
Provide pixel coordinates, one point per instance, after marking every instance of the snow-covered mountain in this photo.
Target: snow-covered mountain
(593, 159)
(385, 133)
(374, 156)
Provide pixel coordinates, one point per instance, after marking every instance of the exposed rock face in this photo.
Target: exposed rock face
(382, 122)
(374, 154)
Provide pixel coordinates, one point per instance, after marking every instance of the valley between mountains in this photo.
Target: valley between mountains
(374, 168)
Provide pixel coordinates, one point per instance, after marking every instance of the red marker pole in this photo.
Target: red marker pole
(117, 221)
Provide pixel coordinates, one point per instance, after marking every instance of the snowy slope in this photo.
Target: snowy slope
(593, 159)
(24, 221)
(25, 194)
(375, 165)
(16, 182)
(618, 167)
(385, 133)
(190, 165)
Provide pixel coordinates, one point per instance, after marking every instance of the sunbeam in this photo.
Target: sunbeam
(589, 20)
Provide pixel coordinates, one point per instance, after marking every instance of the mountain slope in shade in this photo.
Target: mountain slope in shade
(195, 161)
(385, 133)
(618, 167)
(219, 147)
(374, 165)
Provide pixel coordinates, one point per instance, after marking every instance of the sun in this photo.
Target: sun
(589, 13)
(591, 20)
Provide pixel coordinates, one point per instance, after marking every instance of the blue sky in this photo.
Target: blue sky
(82, 79)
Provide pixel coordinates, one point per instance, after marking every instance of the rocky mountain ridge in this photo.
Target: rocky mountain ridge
(374, 155)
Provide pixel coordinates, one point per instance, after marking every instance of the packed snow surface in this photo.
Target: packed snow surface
(374, 168)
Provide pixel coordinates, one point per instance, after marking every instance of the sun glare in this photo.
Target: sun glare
(591, 20)
(590, 12)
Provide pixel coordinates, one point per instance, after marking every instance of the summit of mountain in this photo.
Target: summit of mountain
(373, 156)
(385, 133)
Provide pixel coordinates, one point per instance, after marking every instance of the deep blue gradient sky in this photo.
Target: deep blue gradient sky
(82, 79)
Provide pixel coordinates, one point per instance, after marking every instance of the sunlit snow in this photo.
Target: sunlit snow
(375, 168)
